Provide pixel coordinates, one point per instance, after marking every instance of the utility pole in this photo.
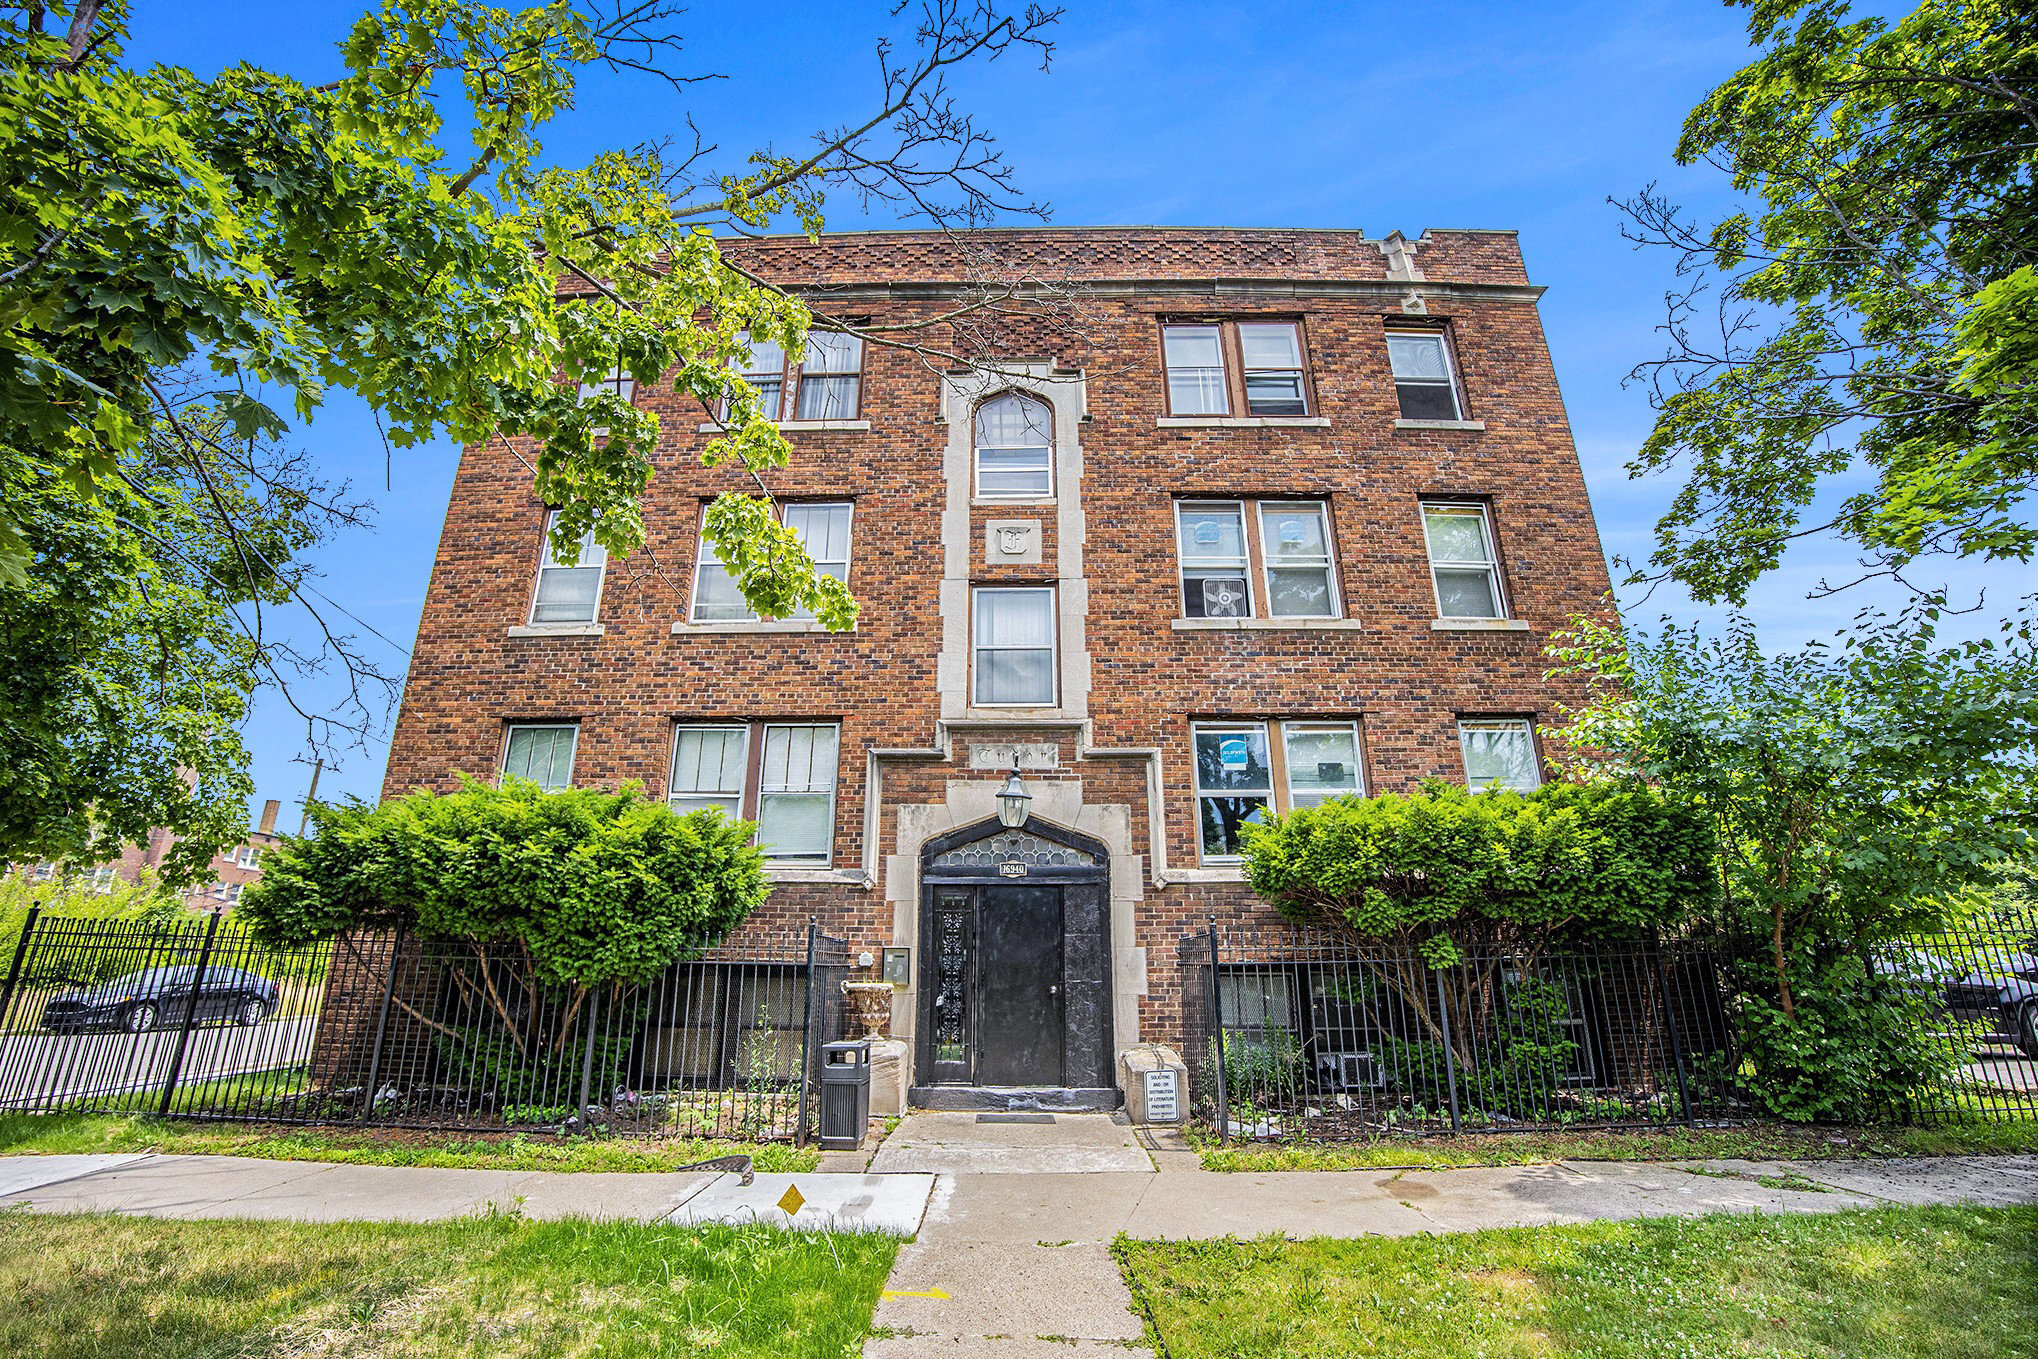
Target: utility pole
(311, 795)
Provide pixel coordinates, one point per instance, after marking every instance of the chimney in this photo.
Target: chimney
(269, 810)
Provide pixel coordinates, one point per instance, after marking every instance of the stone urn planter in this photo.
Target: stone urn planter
(870, 1004)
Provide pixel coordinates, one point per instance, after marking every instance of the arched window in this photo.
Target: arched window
(1015, 448)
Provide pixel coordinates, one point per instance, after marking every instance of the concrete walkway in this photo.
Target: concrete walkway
(1011, 1218)
(1012, 1263)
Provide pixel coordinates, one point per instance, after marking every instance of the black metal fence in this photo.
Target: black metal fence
(382, 1030)
(1311, 1035)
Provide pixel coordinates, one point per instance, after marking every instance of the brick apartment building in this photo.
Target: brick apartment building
(234, 869)
(1289, 514)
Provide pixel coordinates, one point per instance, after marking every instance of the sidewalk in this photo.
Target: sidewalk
(1011, 1217)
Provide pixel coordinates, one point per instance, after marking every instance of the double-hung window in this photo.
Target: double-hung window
(616, 380)
(1014, 448)
(1218, 367)
(1462, 561)
(1244, 770)
(541, 753)
(1014, 647)
(825, 384)
(569, 585)
(1226, 546)
(779, 774)
(1423, 380)
(248, 856)
(823, 529)
(1500, 752)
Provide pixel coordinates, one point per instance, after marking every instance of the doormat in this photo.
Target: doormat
(1015, 1118)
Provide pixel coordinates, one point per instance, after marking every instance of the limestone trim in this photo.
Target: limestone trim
(1478, 625)
(1469, 426)
(1267, 624)
(1242, 422)
(525, 630)
(803, 427)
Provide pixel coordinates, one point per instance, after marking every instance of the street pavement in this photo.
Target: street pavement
(39, 1068)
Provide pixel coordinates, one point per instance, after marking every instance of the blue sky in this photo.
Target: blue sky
(1356, 115)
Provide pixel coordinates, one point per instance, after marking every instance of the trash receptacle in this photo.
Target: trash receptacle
(845, 1094)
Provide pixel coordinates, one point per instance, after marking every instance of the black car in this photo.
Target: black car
(2003, 997)
(143, 1000)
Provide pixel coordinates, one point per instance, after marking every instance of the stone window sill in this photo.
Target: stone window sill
(1213, 873)
(1478, 625)
(808, 427)
(1243, 422)
(1472, 426)
(792, 874)
(558, 630)
(979, 502)
(684, 629)
(1267, 625)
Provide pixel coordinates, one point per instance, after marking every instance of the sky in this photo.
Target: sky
(1375, 116)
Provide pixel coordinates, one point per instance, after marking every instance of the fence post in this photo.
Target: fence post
(1450, 1056)
(382, 1026)
(1217, 1043)
(1676, 1038)
(587, 1062)
(190, 1017)
(807, 1033)
(14, 968)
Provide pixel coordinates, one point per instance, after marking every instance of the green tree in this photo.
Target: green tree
(1872, 314)
(187, 261)
(1860, 790)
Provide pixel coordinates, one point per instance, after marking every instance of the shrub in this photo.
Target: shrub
(592, 887)
(1445, 870)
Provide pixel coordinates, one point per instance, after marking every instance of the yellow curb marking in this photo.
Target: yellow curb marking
(908, 1293)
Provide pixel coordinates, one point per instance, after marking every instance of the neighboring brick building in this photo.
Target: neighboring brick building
(233, 868)
(1288, 513)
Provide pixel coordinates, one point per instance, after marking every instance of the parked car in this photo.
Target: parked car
(156, 996)
(2005, 999)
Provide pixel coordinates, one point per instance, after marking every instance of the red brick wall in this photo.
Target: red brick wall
(1408, 682)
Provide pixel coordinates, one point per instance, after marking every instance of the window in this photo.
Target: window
(1462, 563)
(789, 791)
(1499, 753)
(1421, 360)
(544, 755)
(104, 877)
(830, 375)
(1244, 769)
(617, 381)
(1267, 356)
(1015, 647)
(1293, 547)
(822, 528)
(569, 587)
(249, 856)
(824, 385)
(1015, 448)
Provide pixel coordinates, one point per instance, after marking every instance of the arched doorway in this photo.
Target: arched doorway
(1015, 942)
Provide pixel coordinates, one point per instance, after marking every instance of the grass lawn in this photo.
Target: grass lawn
(1774, 1142)
(72, 1134)
(73, 1286)
(1915, 1283)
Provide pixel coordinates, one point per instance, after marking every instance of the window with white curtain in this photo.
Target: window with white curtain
(1423, 380)
(764, 370)
(569, 584)
(823, 529)
(1462, 561)
(1499, 753)
(1014, 448)
(542, 754)
(825, 384)
(788, 789)
(1014, 647)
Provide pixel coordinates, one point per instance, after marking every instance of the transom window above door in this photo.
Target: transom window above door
(1256, 559)
(1014, 448)
(1222, 367)
(825, 384)
(779, 774)
(823, 529)
(1246, 769)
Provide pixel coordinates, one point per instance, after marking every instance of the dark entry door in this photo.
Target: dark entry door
(1019, 986)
